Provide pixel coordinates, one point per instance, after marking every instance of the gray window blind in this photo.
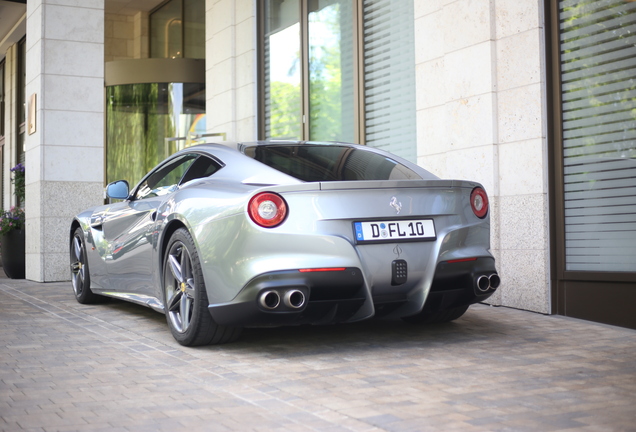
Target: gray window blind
(389, 75)
(598, 67)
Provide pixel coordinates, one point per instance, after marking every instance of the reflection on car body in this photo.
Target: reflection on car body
(225, 236)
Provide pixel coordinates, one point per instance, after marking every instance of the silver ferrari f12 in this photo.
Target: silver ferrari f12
(219, 237)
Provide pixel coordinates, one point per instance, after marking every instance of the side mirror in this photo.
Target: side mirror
(117, 190)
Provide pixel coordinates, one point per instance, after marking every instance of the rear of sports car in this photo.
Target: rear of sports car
(372, 236)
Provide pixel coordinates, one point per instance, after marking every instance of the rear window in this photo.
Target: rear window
(320, 163)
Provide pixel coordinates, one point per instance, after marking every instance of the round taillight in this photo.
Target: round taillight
(479, 202)
(267, 209)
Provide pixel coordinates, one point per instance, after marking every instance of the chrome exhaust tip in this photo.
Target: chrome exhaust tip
(483, 283)
(294, 299)
(494, 280)
(269, 300)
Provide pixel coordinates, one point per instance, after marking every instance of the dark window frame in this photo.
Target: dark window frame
(556, 165)
(358, 71)
(607, 297)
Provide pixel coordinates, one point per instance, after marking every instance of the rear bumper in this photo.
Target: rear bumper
(456, 283)
(274, 299)
(292, 297)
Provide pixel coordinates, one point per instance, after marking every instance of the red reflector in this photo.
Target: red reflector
(322, 269)
(461, 260)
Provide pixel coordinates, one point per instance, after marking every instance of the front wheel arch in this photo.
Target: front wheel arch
(80, 270)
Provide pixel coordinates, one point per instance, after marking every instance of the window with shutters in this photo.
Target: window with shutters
(339, 70)
(389, 77)
(597, 41)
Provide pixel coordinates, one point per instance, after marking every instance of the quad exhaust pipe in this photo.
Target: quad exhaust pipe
(292, 298)
(484, 283)
(269, 300)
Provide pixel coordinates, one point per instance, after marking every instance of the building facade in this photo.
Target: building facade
(535, 99)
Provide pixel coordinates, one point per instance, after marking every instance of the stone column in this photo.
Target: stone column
(481, 116)
(64, 157)
(230, 62)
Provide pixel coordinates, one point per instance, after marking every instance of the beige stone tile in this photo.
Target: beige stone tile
(74, 23)
(522, 168)
(466, 23)
(514, 16)
(462, 81)
(470, 122)
(88, 128)
(431, 90)
(245, 37)
(429, 37)
(72, 93)
(57, 166)
(519, 60)
(520, 113)
(431, 138)
(422, 8)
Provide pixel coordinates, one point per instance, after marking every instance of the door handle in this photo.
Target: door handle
(97, 222)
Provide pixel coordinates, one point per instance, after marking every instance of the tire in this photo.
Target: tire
(80, 274)
(185, 297)
(437, 317)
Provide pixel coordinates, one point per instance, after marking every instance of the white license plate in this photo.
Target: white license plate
(394, 230)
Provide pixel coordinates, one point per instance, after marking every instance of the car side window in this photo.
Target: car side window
(201, 168)
(165, 178)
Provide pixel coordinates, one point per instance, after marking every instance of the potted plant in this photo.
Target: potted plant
(12, 231)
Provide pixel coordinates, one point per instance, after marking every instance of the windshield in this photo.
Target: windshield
(320, 163)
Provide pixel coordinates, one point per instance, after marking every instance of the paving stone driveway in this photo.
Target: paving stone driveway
(115, 366)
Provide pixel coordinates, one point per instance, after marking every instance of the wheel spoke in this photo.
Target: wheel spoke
(185, 312)
(77, 266)
(77, 247)
(186, 273)
(174, 301)
(75, 282)
(175, 268)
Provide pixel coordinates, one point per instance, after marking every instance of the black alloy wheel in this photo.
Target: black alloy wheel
(186, 300)
(80, 275)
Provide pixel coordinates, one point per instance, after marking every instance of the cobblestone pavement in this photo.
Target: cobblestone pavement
(114, 366)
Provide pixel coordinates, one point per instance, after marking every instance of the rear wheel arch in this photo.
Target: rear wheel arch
(185, 297)
(172, 226)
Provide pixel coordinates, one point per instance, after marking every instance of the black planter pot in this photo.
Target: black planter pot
(13, 255)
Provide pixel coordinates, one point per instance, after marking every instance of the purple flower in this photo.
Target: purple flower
(18, 167)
